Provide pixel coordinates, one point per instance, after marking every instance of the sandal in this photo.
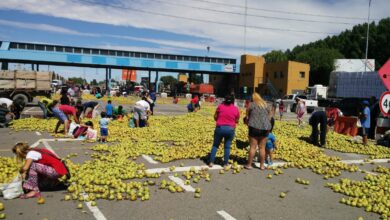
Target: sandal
(262, 168)
(211, 164)
(35, 195)
(247, 167)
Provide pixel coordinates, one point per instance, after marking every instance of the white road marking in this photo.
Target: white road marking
(180, 182)
(225, 215)
(149, 159)
(50, 140)
(47, 146)
(94, 209)
(182, 169)
(342, 161)
(38, 133)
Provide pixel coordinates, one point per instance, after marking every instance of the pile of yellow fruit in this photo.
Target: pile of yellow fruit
(113, 174)
(8, 169)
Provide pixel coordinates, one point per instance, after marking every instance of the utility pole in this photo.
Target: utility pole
(246, 12)
(368, 31)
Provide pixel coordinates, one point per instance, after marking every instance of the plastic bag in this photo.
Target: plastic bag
(12, 190)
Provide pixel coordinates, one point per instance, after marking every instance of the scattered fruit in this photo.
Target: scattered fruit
(41, 201)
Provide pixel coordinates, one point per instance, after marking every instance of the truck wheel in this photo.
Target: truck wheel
(21, 97)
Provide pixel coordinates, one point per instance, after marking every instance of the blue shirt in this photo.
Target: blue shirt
(104, 122)
(153, 96)
(367, 120)
(109, 109)
(270, 141)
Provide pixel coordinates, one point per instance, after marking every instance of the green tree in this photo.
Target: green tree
(94, 82)
(275, 56)
(321, 62)
(168, 80)
(77, 80)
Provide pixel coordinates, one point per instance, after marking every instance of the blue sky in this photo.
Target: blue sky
(181, 26)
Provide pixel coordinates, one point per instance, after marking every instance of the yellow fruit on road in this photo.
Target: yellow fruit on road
(41, 201)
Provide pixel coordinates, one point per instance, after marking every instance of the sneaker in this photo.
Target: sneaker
(270, 163)
(266, 161)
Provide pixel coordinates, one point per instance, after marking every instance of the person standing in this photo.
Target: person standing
(88, 108)
(281, 109)
(153, 97)
(318, 118)
(300, 110)
(226, 116)
(103, 122)
(365, 120)
(109, 109)
(259, 125)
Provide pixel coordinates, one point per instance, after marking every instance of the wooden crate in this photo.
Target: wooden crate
(43, 85)
(44, 76)
(22, 74)
(5, 74)
(25, 84)
(7, 84)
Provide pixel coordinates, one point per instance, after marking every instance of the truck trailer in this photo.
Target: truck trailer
(25, 85)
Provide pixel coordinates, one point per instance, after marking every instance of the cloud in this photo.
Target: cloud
(44, 27)
(224, 39)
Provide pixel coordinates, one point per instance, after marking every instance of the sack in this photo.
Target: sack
(12, 190)
(131, 122)
(359, 124)
(79, 131)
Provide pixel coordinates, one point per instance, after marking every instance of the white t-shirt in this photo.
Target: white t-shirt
(34, 155)
(8, 102)
(144, 104)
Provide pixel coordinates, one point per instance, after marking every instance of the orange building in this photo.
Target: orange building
(275, 79)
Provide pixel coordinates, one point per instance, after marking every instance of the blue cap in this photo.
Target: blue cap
(365, 102)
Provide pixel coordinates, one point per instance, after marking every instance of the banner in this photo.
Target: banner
(130, 75)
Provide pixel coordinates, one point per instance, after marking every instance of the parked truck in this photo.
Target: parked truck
(25, 85)
(202, 89)
(289, 102)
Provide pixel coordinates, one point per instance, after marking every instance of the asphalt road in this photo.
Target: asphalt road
(247, 195)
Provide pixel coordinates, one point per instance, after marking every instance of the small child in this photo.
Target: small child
(91, 134)
(270, 146)
(109, 109)
(103, 122)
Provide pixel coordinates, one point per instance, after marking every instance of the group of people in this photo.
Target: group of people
(10, 110)
(258, 118)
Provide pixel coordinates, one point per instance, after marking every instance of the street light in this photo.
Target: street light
(368, 31)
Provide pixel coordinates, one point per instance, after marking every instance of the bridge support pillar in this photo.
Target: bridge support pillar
(109, 80)
(32, 67)
(37, 67)
(156, 83)
(149, 79)
(4, 66)
(107, 91)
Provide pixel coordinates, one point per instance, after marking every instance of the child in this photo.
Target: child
(281, 109)
(103, 122)
(270, 146)
(91, 134)
(109, 109)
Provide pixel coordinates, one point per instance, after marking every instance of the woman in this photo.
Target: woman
(258, 121)
(300, 110)
(41, 167)
(227, 116)
(281, 109)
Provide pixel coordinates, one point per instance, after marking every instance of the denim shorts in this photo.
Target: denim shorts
(59, 114)
(103, 131)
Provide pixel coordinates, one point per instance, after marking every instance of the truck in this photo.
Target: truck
(25, 85)
(290, 103)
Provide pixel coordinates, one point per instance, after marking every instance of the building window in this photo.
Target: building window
(302, 74)
(281, 74)
(275, 75)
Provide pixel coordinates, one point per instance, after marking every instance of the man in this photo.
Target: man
(318, 118)
(62, 118)
(365, 120)
(141, 111)
(88, 107)
(70, 111)
(4, 112)
(16, 107)
(46, 106)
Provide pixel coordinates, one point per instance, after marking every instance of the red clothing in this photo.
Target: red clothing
(49, 159)
(68, 110)
(195, 100)
(227, 115)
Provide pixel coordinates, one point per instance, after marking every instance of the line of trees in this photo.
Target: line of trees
(348, 44)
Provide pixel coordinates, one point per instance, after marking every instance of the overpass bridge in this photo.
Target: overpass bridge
(46, 54)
